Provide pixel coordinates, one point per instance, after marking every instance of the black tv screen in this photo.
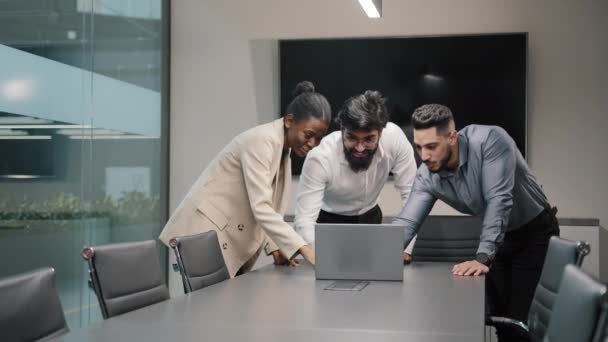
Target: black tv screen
(482, 78)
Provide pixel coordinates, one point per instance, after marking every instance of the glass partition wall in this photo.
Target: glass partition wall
(83, 135)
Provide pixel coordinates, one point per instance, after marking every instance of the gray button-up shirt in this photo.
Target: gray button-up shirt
(492, 180)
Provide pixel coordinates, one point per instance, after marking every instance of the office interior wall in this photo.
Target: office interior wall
(219, 85)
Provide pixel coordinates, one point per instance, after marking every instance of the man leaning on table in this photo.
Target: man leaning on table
(480, 171)
(342, 178)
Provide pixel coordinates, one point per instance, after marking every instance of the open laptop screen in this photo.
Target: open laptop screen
(359, 251)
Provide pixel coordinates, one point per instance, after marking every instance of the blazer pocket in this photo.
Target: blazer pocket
(213, 214)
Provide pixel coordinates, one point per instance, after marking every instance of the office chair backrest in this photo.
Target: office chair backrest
(604, 330)
(560, 253)
(200, 260)
(30, 309)
(447, 238)
(125, 276)
(601, 330)
(577, 307)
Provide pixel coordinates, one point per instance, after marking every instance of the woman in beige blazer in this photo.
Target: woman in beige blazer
(243, 193)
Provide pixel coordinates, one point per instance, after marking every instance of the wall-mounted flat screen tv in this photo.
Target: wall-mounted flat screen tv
(482, 78)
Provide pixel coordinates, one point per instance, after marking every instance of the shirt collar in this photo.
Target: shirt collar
(279, 129)
(463, 149)
(463, 155)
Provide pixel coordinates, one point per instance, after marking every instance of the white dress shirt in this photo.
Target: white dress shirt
(327, 182)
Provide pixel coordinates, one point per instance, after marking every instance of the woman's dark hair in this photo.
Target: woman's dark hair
(308, 103)
(366, 111)
(433, 115)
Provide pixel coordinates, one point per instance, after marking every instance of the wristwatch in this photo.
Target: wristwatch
(483, 258)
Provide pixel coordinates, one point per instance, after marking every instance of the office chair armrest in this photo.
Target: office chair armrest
(496, 321)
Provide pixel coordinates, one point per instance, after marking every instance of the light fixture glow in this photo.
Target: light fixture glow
(18, 90)
(21, 176)
(433, 77)
(373, 8)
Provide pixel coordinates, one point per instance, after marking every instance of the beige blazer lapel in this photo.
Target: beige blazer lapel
(283, 185)
(282, 174)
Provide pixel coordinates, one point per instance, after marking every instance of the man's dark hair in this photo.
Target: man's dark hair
(366, 111)
(433, 115)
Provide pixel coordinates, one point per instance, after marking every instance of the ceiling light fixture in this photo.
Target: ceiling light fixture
(373, 8)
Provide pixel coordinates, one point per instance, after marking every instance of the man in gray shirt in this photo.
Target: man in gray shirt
(480, 171)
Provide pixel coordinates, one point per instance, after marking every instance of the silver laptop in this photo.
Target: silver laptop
(359, 251)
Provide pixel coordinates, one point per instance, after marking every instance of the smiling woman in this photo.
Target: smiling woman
(306, 120)
(302, 136)
(243, 193)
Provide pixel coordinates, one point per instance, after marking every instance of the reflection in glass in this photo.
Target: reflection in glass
(82, 135)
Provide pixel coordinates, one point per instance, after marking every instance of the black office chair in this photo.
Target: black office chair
(560, 253)
(577, 307)
(604, 330)
(125, 276)
(447, 239)
(601, 330)
(30, 309)
(200, 260)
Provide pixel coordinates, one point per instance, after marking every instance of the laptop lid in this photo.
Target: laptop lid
(359, 251)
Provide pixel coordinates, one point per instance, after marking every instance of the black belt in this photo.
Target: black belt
(373, 214)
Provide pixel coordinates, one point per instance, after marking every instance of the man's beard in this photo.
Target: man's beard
(359, 164)
(444, 162)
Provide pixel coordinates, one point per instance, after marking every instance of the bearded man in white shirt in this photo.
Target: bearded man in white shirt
(342, 178)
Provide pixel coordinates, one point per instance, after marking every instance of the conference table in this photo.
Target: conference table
(281, 303)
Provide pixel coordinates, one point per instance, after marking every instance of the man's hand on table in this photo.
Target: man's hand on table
(470, 268)
(308, 253)
(407, 258)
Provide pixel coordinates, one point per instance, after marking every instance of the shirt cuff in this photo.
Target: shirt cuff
(488, 248)
(308, 235)
(270, 247)
(410, 247)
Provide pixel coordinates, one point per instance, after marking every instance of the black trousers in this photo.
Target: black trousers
(373, 216)
(516, 270)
